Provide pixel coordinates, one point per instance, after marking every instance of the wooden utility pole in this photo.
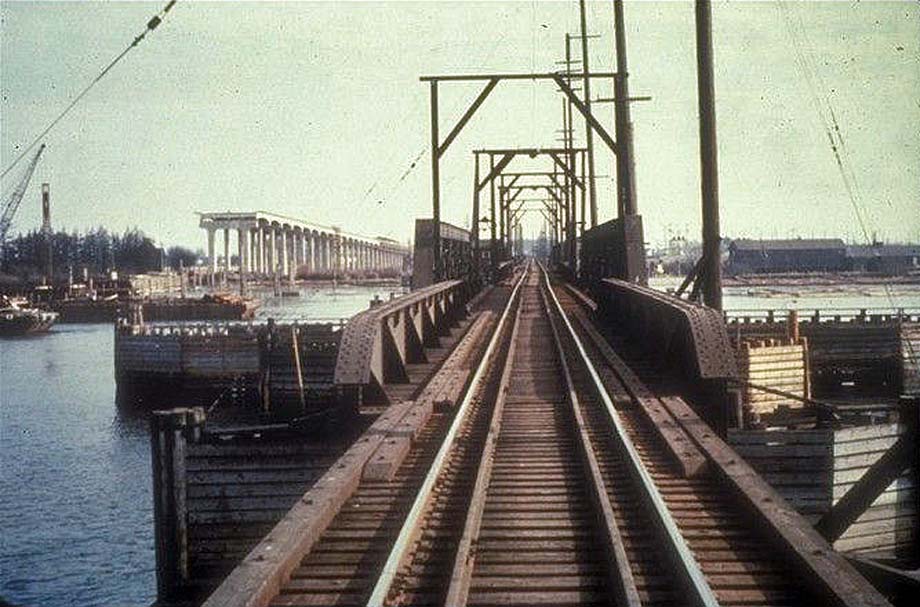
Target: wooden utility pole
(626, 188)
(589, 132)
(711, 267)
(435, 180)
(474, 231)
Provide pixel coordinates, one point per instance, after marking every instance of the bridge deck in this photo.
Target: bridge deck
(549, 483)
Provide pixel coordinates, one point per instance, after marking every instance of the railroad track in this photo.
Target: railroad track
(548, 484)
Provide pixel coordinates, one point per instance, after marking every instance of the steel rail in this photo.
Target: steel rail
(618, 568)
(411, 525)
(461, 573)
(691, 575)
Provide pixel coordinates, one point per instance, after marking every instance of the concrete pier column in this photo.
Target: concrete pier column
(282, 262)
(324, 252)
(269, 244)
(242, 236)
(298, 250)
(254, 251)
(337, 246)
(317, 252)
(212, 257)
(260, 238)
(226, 253)
(272, 259)
(293, 255)
(308, 251)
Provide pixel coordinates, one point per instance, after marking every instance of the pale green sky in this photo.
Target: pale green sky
(301, 108)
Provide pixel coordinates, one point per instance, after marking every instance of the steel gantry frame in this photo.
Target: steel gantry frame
(439, 147)
(566, 162)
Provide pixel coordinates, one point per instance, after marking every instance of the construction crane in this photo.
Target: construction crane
(11, 205)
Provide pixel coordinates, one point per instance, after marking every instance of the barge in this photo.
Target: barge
(208, 307)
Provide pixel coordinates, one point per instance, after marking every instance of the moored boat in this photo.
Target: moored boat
(16, 319)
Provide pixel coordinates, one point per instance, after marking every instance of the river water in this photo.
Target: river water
(76, 519)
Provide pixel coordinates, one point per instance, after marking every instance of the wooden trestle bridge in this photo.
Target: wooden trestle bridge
(534, 457)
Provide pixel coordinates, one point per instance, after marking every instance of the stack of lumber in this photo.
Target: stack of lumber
(779, 364)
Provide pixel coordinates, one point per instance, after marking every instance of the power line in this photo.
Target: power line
(151, 25)
(834, 134)
(424, 149)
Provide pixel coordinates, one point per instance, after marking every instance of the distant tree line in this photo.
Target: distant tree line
(98, 250)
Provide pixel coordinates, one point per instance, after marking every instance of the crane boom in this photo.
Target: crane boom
(12, 205)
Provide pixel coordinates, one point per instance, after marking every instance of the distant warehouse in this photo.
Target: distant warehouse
(787, 255)
(820, 255)
(890, 259)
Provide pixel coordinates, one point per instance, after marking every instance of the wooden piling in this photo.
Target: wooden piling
(170, 432)
(297, 369)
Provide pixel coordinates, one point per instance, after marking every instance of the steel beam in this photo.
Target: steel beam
(507, 76)
(586, 113)
(466, 116)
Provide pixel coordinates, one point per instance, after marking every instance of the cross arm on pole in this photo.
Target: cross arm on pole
(555, 196)
(567, 170)
(511, 183)
(466, 116)
(518, 208)
(580, 106)
(555, 179)
(499, 166)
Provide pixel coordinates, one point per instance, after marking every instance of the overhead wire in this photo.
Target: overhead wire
(152, 24)
(828, 117)
(424, 149)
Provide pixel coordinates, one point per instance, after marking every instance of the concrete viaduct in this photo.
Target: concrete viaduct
(268, 243)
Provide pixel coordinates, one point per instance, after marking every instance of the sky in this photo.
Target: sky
(315, 110)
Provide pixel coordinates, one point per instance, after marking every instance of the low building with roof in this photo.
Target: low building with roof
(888, 259)
(751, 256)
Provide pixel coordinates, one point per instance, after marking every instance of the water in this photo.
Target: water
(808, 299)
(76, 518)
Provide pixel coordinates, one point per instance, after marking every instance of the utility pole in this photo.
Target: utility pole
(711, 265)
(626, 188)
(502, 213)
(568, 143)
(493, 259)
(474, 234)
(589, 132)
(435, 181)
